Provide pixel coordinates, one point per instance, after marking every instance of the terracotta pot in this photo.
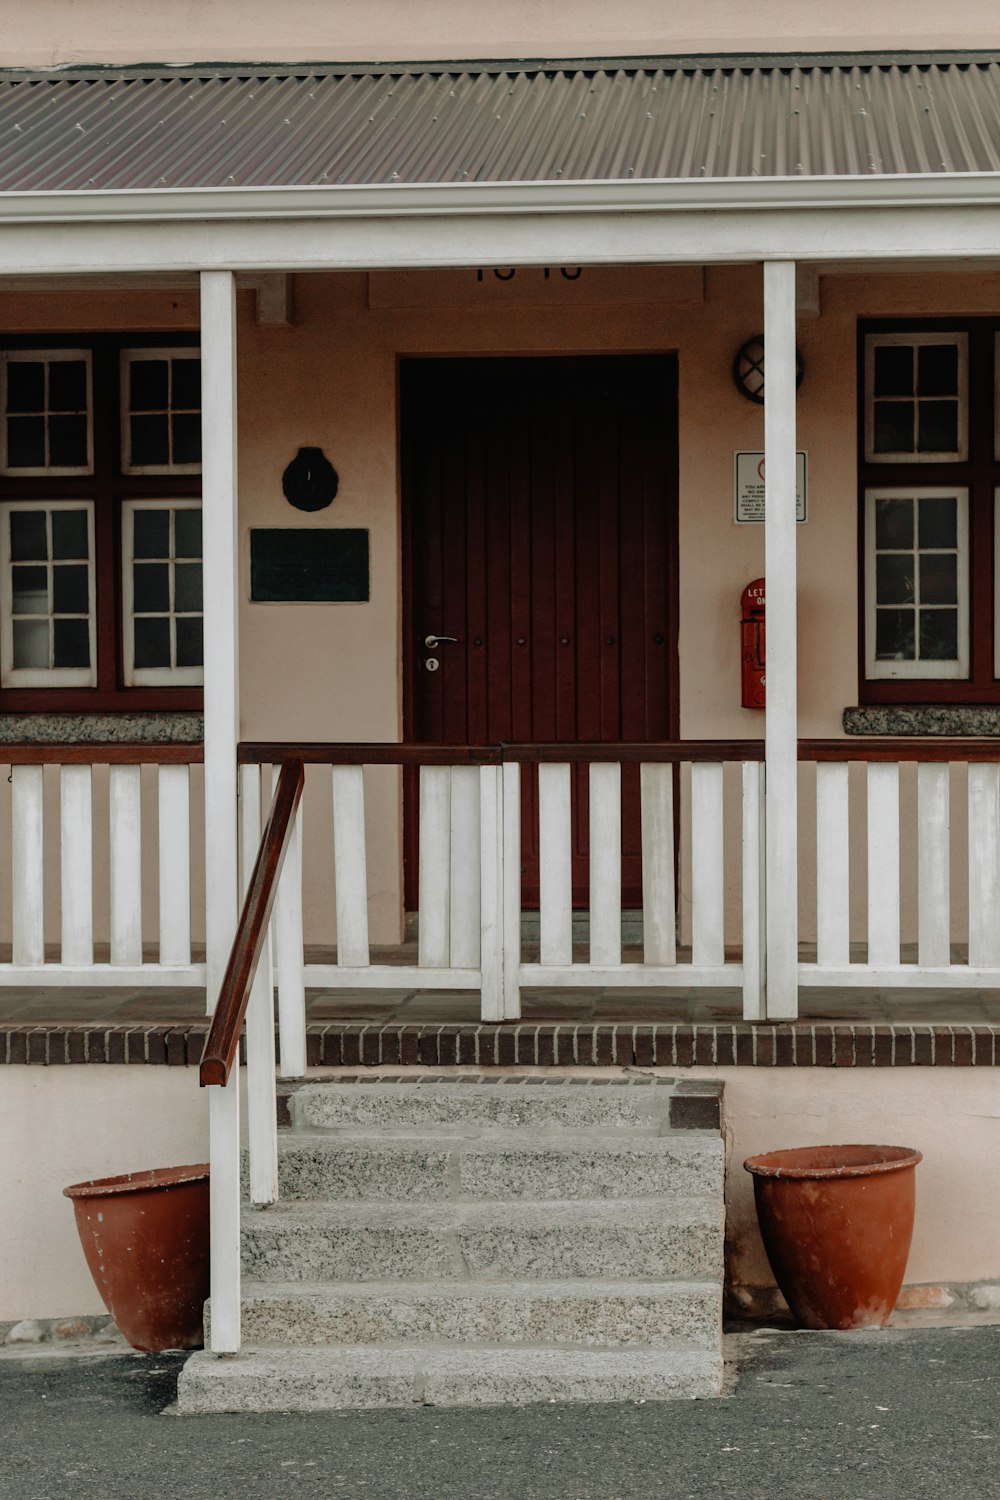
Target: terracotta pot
(836, 1223)
(145, 1236)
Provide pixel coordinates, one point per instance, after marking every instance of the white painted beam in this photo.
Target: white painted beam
(222, 720)
(781, 717)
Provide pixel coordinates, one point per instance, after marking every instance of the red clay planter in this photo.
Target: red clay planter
(837, 1223)
(145, 1236)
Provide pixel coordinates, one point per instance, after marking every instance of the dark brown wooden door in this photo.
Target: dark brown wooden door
(540, 503)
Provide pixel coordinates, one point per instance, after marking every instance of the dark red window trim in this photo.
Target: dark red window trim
(108, 487)
(980, 474)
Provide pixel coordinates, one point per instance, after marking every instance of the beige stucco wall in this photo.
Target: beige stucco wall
(115, 31)
(63, 1125)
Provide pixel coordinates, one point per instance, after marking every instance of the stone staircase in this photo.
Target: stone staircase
(483, 1240)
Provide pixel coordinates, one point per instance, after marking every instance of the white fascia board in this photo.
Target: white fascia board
(406, 200)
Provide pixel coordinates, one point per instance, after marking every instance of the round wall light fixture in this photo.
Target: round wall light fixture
(310, 481)
(748, 369)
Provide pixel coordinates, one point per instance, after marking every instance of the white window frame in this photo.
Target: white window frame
(876, 669)
(874, 341)
(50, 356)
(44, 677)
(132, 675)
(128, 357)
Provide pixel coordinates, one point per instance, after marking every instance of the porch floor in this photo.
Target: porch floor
(26, 1006)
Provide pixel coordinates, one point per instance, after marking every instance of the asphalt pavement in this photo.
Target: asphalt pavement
(908, 1414)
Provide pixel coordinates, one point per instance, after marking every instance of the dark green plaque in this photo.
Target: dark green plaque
(309, 565)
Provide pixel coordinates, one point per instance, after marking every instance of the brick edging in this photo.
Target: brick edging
(821, 1045)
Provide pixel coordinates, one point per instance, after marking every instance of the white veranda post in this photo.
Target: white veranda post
(781, 716)
(218, 357)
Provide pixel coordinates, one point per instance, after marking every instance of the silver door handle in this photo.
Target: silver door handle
(432, 642)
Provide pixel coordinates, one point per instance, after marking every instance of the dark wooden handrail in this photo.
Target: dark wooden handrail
(107, 753)
(905, 748)
(223, 1038)
(317, 753)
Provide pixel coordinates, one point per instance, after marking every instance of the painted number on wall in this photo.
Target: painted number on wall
(508, 273)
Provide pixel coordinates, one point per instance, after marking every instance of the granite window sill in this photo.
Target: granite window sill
(923, 719)
(177, 728)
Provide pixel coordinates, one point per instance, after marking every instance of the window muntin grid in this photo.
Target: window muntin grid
(916, 582)
(916, 397)
(162, 593)
(47, 605)
(161, 411)
(46, 424)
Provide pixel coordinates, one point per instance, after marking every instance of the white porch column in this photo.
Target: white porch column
(781, 717)
(218, 376)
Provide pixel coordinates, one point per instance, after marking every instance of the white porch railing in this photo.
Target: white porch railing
(699, 804)
(907, 864)
(82, 819)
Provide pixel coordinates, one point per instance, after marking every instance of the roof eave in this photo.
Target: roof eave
(462, 199)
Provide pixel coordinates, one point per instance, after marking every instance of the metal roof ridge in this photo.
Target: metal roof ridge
(659, 62)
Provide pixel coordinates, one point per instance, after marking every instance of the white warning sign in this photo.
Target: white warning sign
(749, 488)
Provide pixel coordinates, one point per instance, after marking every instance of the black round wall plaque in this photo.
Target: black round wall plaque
(310, 481)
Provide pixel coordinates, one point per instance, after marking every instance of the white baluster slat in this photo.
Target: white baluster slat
(464, 906)
(605, 863)
(350, 866)
(708, 946)
(434, 941)
(754, 904)
(883, 864)
(76, 833)
(174, 793)
(984, 866)
(28, 908)
(933, 865)
(291, 978)
(555, 865)
(510, 783)
(833, 892)
(262, 1120)
(490, 889)
(125, 803)
(659, 915)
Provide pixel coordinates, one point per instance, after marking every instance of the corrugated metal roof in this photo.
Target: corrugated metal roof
(219, 128)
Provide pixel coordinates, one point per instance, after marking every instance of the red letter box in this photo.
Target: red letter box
(752, 644)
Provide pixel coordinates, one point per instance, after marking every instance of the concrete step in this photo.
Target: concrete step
(649, 1238)
(325, 1379)
(556, 1102)
(601, 1314)
(505, 1164)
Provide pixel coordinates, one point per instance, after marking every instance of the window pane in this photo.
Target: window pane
(894, 634)
(26, 442)
(148, 385)
(187, 438)
(149, 441)
(937, 426)
(71, 643)
(893, 523)
(187, 533)
(893, 370)
(69, 534)
(151, 533)
(938, 521)
(70, 590)
(893, 426)
(190, 649)
(30, 591)
(151, 587)
(68, 385)
(894, 579)
(68, 442)
(31, 643)
(28, 541)
(939, 634)
(187, 587)
(937, 370)
(186, 392)
(939, 578)
(152, 642)
(26, 386)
